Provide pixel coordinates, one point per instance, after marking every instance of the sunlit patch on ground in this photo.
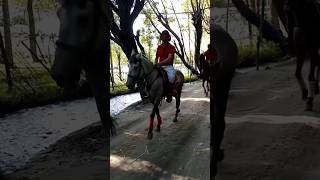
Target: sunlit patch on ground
(134, 135)
(179, 177)
(136, 165)
(195, 99)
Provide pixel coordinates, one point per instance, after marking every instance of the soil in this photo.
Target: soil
(268, 136)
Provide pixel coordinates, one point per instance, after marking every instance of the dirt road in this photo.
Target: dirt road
(268, 136)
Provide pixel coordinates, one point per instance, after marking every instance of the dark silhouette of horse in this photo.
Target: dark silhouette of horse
(221, 74)
(303, 25)
(83, 44)
(204, 73)
(140, 68)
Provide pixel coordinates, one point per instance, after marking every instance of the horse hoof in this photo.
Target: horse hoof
(175, 120)
(316, 90)
(308, 107)
(150, 135)
(304, 94)
(309, 104)
(158, 128)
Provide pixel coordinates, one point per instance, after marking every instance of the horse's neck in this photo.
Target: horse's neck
(149, 71)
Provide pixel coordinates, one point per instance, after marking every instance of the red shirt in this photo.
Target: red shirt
(164, 50)
(211, 55)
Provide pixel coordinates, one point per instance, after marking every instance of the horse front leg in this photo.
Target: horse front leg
(97, 77)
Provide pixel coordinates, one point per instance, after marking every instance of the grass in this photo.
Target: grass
(35, 87)
(269, 52)
(30, 89)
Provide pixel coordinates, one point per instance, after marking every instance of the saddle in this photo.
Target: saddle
(169, 88)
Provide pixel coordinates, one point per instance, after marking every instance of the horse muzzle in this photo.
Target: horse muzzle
(66, 69)
(130, 85)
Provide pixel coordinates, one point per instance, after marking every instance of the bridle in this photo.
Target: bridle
(138, 77)
(135, 78)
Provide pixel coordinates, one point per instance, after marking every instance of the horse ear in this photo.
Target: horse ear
(133, 52)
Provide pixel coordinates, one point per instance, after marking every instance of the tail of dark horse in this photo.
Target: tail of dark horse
(180, 79)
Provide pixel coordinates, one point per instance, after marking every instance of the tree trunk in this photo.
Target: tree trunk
(253, 5)
(278, 6)
(112, 74)
(7, 32)
(259, 41)
(268, 31)
(127, 11)
(227, 21)
(32, 30)
(197, 23)
(6, 64)
(119, 63)
(250, 27)
(274, 16)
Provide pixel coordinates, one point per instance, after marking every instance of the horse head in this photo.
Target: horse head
(136, 70)
(81, 34)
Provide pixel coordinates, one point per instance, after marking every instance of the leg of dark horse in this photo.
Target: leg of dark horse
(316, 91)
(97, 76)
(218, 105)
(177, 104)
(204, 88)
(301, 55)
(208, 87)
(312, 80)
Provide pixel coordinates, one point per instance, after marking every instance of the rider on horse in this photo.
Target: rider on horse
(211, 54)
(165, 57)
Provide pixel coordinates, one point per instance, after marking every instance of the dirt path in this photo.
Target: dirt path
(268, 136)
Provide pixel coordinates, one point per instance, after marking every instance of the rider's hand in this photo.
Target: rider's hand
(156, 65)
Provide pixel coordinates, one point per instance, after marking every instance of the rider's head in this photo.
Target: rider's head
(165, 36)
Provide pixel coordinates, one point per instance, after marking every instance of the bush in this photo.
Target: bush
(269, 52)
(19, 20)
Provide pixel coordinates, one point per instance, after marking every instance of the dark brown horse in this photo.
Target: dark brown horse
(204, 73)
(140, 68)
(303, 26)
(83, 44)
(221, 74)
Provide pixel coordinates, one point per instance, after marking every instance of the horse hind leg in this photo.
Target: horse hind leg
(312, 79)
(208, 87)
(159, 119)
(301, 55)
(204, 88)
(150, 133)
(316, 90)
(177, 105)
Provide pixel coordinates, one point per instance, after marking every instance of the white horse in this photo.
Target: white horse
(140, 68)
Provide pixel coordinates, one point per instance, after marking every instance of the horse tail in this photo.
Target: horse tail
(180, 77)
